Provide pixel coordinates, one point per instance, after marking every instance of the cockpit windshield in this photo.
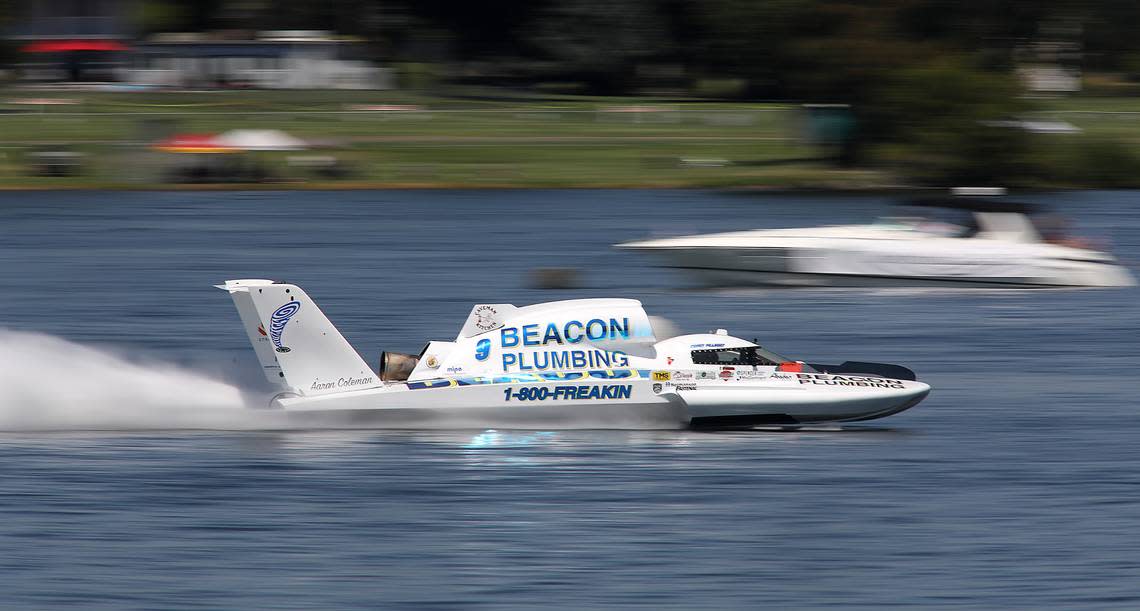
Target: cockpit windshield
(945, 223)
(745, 355)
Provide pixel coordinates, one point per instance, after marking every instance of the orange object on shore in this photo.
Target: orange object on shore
(193, 143)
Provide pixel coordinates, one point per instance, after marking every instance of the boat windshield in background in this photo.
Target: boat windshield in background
(969, 214)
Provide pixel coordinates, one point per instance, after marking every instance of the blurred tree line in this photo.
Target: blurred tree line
(924, 80)
(778, 49)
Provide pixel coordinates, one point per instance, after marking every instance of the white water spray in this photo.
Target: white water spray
(51, 384)
(47, 383)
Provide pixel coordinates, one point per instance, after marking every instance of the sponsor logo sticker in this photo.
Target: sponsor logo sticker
(662, 376)
(556, 393)
(277, 321)
(823, 379)
(485, 317)
(657, 388)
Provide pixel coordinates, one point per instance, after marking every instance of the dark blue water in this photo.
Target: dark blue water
(1014, 485)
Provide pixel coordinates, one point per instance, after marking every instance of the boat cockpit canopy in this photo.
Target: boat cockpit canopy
(743, 355)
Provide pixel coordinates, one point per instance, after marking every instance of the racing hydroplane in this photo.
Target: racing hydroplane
(583, 360)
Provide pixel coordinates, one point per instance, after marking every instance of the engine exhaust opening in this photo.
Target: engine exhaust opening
(396, 366)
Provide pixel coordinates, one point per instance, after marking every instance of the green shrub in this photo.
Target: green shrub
(1092, 162)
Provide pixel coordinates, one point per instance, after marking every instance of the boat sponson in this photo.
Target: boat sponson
(742, 421)
(886, 370)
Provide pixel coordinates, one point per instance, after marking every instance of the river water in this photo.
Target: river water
(1014, 485)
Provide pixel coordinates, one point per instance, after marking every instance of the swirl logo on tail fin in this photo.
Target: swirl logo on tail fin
(278, 321)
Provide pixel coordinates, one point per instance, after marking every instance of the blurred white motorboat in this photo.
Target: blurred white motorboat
(999, 244)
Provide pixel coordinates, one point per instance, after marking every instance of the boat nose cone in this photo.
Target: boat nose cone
(901, 400)
(914, 393)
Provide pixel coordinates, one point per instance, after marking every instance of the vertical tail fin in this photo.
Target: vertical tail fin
(255, 329)
(299, 349)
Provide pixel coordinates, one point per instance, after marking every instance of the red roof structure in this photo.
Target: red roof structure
(62, 46)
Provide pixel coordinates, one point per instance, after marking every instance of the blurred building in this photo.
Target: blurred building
(267, 60)
(70, 40)
(97, 40)
(1051, 62)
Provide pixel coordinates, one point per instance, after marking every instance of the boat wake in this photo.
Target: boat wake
(48, 383)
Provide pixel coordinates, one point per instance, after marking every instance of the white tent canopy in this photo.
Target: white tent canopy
(261, 140)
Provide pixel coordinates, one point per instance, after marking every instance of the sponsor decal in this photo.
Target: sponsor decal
(454, 370)
(661, 376)
(567, 392)
(572, 332)
(485, 317)
(705, 375)
(669, 360)
(684, 387)
(751, 374)
(431, 361)
(684, 375)
(569, 333)
(782, 376)
(727, 373)
(823, 379)
(516, 378)
(277, 321)
(563, 359)
(657, 388)
(348, 382)
(694, 346)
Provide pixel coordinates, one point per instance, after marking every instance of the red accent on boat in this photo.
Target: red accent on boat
(791, 366)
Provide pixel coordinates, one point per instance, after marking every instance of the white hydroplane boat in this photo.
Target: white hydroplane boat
(1003, 245)
(586, 360)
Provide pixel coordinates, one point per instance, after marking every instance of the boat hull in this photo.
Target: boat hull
(610, 403)
(819, 268)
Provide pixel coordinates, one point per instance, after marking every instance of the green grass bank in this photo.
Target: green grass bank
(464, 140)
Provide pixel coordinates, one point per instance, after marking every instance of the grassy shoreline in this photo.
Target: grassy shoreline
(406, 140)
(436, 186)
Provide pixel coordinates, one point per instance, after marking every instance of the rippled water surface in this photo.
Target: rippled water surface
(1015, 485)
